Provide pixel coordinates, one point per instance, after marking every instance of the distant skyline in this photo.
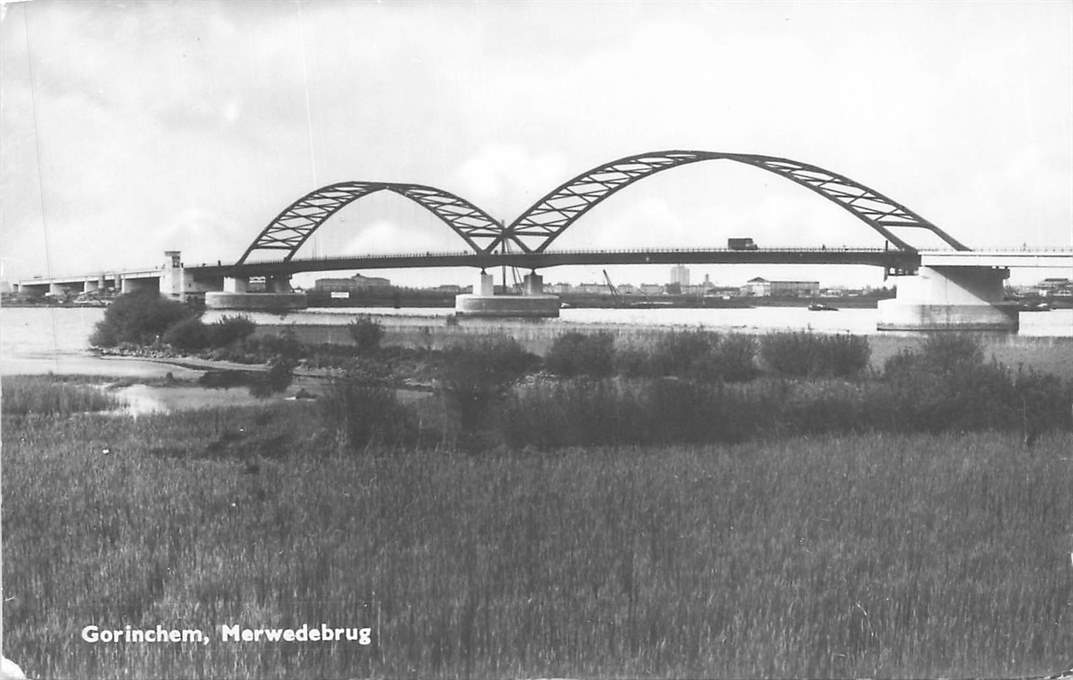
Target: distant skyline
(132, 128)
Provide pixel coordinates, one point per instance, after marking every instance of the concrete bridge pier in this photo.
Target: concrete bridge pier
(236, 284)
(950, 298)
(278, 295)
(278, 283)
(534, 284)
(483, 302)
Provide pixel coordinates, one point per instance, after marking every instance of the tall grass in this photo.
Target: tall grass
(869, 555)
(41, 395)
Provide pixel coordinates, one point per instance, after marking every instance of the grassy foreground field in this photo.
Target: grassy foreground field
(870, 555)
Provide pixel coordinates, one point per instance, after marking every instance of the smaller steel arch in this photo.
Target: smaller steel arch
(549, 217)
(290, 229)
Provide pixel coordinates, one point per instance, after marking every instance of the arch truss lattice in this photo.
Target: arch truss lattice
(293, 227)
(549, 217)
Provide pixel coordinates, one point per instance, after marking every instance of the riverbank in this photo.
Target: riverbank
(1048, 354)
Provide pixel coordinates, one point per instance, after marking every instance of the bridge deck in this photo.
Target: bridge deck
(878, 257)
(812, 256)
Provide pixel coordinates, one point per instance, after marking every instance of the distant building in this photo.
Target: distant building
(353, 284)
(1055, 286)
(696, 289)
(592, 289)
(761, 287)
(680, 275)
(651, 288)
(723, 291)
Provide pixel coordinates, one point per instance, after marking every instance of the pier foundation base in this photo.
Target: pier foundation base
(949, 298)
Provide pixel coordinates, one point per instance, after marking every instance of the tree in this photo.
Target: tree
(139, 318)
(476, 372)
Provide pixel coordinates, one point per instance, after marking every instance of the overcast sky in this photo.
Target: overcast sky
(136, 127)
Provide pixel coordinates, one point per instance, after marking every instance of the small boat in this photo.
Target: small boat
(1036, 307)
(819, 307)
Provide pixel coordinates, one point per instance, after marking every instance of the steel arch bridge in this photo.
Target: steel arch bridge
(535, 229)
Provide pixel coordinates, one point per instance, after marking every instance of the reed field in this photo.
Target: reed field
(859, 555)
(697, 505)
(52, 395)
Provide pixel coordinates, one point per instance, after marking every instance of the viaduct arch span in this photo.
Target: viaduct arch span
(536, 228)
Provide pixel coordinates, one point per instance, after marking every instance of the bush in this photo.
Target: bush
(139, 318)
(731, 359)
(678, 352)
(366, 334)
(948, 385)
(285, 350)
(802, 354)
(574, 354)
(695, 355)
(476, 372)
(632, 362)
(362, 409)
(230, 329)
(583, 412)
(187, 335)
(277, 378)
(285, 344)
(578, 412)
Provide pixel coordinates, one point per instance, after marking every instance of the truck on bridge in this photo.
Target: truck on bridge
(742, 244)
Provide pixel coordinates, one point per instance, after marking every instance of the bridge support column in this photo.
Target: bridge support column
(236, 284)
(949, 298)
(484, 285)
(91, 285)
(534, 284)
(173, 278)
(278, 283)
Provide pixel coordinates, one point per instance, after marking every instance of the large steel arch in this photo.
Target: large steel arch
(549, 217)
(292, 227)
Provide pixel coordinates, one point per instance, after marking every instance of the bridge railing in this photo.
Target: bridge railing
(579, 251)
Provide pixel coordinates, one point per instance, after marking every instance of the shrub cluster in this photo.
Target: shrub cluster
(583, 412)
(366, 333)
(362, 410)
(574, 354)
(695, 354)
(139, 318)
(191, 335)
(475, 373)
(948, 385)
(148, 318)
(945, 386)
(803, 354)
